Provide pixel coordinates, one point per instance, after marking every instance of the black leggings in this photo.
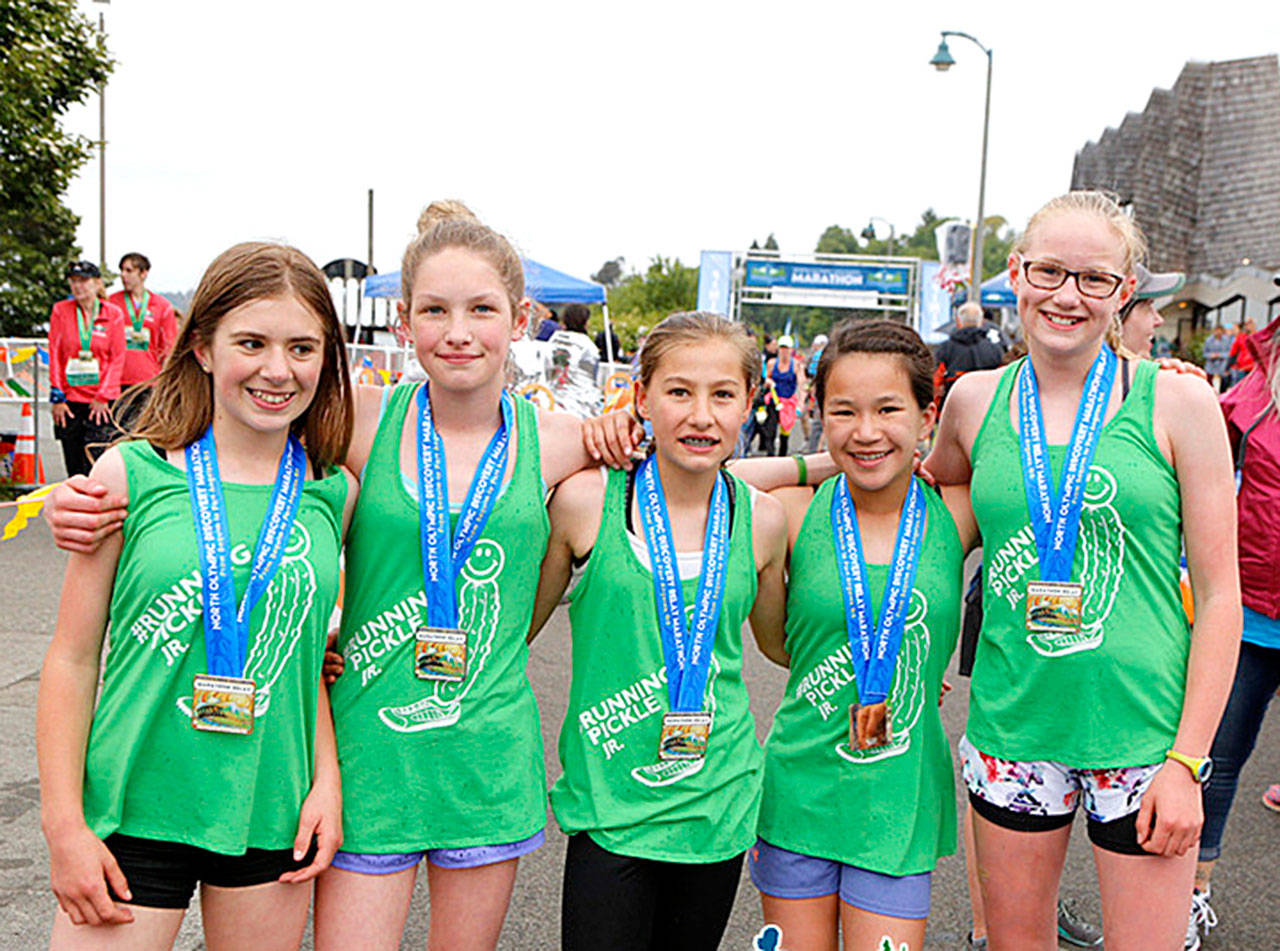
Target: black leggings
(629, 904)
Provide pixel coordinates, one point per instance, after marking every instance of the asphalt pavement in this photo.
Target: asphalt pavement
(1245, 884)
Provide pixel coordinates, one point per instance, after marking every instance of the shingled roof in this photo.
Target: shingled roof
(1201, 165)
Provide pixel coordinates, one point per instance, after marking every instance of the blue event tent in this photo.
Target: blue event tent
(542, 283)
(997, 292)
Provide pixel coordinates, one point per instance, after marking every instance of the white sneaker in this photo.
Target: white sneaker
(1201, 920)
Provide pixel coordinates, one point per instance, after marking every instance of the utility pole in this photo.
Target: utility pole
(102, 153)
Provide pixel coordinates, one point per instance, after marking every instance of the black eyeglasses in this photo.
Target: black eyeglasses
(1049, 277)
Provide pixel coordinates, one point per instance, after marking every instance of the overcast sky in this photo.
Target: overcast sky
(586, 130)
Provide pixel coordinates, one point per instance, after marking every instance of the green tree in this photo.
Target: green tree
(51, 57)
(838, 240)
(642, 300)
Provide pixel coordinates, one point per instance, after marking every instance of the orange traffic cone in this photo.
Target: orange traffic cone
(28, 467)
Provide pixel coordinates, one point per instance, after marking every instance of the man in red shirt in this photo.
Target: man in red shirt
(86, 358)
(150, 330)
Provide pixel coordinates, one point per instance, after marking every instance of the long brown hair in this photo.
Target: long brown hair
(180, 407)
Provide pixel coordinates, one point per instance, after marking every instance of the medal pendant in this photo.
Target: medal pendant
(82, 371)
(684, 735)
(1054, 607)
(882, 739)
(137, 339)
(222, 704)
(440, 653)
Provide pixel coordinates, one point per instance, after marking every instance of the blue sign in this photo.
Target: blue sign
(935, 303)
(715, 280)
(879, 278)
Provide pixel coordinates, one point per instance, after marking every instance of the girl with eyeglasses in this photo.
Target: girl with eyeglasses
(1086, 470)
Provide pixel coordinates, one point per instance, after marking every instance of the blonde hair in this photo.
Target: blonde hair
(694, 327)
(180, 407)
(451, 224)
(1105, 207)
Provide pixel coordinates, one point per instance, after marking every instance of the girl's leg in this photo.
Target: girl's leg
(1257, 676)
(1145, 899)
(694, 904)
(608, 901)
(152, 929)
(807, 924)
(355, 910)
(978, 928)
(468, 905)
(268, 917)
(866, 931)
(1019, 873)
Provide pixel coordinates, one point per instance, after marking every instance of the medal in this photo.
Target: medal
(684, 735)
(136, 336)
(222, 698)
(222, 704)
(1055, 603)
(440, 654)
(82, 370)
(686, 650)
(440, 645)
(882, 739)
(874, 644)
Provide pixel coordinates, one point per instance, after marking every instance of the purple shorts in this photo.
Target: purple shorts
(376, 863)
(785, 874)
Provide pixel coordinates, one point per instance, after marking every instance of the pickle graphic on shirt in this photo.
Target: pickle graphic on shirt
(906, 692)
(1101, 546)
(479, 609)
(286, 604)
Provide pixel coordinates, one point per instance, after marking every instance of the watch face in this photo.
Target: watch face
(1205, 770)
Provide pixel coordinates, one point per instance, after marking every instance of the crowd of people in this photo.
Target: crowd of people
(226, 749)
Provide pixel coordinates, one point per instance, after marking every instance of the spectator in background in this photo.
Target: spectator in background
(1241, 361)
(812, 413)
(614, 354)
(572, 359)
(545, 319)
(1139, 317)
(149, 332)
(973, 345)
(1217, 351)
(86, 357)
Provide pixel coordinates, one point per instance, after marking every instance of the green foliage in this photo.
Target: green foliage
(837, 240)
(639, 300)
(52, 59)
(997, 241)
(1194, 349)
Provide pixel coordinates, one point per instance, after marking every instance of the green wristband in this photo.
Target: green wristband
(802, 468)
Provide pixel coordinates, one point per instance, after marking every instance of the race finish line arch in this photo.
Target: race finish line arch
(891, 286)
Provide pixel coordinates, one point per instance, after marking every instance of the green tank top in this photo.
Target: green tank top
(147, 772)
(1110, 696)
(893, 809)
(428, 764)
(614, 786)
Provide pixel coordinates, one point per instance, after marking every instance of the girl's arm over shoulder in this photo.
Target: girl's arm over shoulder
(575, 511)
(80, 865)
(956, 499)
(949, 463)
(769, 542)
(775, 472)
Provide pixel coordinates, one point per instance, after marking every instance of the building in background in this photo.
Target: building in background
(1200, 168)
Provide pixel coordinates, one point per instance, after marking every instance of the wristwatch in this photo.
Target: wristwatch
(1201, 769)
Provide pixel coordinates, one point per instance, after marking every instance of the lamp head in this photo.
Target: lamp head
(942, 60)
(868, 233)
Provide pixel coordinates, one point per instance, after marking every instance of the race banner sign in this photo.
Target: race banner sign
(853, 277)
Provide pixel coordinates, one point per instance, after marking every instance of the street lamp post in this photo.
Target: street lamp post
(942, 61)
(869, 232)
(102, 155)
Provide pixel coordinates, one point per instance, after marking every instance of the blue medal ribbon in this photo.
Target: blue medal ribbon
(686, 652)
(874, 645)
(226, 626)
(1055, 518)
(442, 556)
